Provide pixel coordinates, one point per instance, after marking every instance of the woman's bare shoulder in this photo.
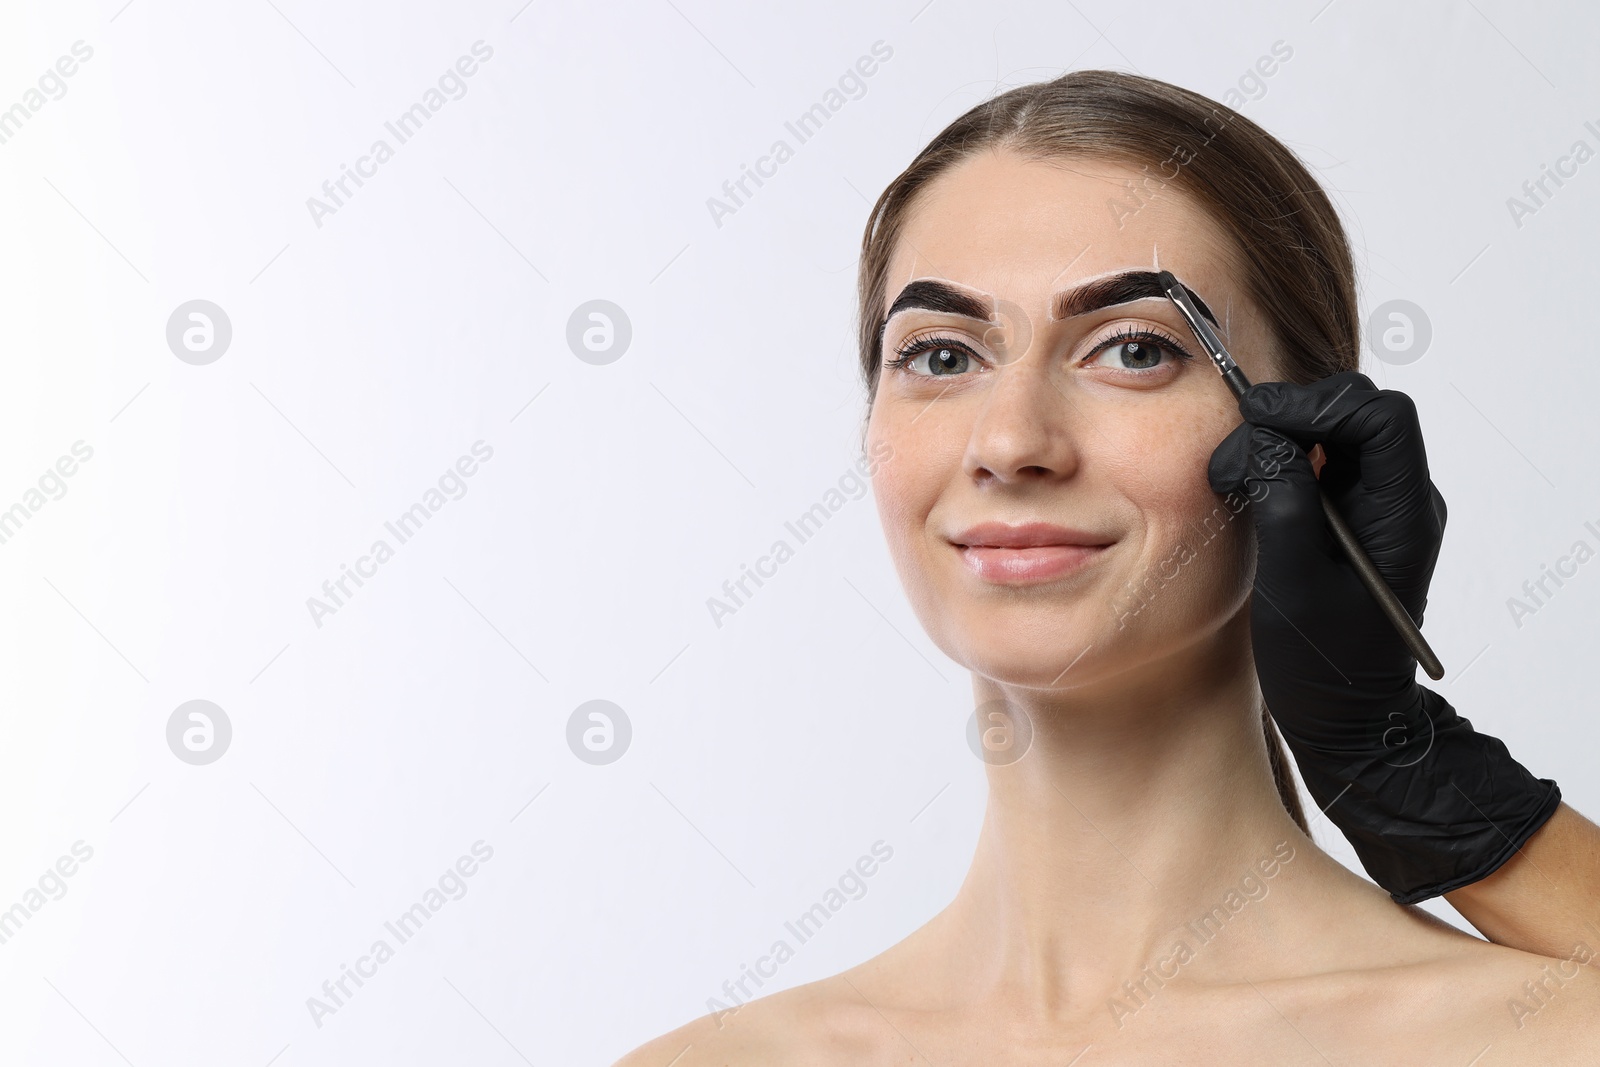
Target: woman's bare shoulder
(1496, 1005)
(1547, 1008)
(820, 1023)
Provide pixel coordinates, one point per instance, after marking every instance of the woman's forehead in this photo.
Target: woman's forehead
(1021, 230)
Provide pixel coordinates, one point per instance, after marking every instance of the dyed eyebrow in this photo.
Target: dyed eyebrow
(1118, 289)
(928, 294)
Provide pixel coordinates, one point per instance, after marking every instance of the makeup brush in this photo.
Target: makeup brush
(1341, 531)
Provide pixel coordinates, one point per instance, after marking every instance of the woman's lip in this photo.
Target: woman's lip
(1018, 566)
(1025, 535)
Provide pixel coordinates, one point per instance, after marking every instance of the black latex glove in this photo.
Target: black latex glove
(1428, 803)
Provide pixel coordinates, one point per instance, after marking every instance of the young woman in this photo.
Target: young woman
(1068, 528)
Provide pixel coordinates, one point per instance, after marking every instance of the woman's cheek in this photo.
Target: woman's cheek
(1189, 531)
(1160, 453)
(905, 491)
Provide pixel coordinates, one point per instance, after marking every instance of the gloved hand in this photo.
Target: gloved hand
(1429, 804)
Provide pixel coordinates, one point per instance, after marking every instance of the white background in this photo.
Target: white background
(371, 752)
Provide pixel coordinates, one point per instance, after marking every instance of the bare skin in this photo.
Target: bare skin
(1546, 898)
(1144, 804)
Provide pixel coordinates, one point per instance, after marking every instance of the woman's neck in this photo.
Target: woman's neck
(1140, 806)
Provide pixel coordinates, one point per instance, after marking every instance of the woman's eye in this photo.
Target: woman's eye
(935, 359)
(1135, 355)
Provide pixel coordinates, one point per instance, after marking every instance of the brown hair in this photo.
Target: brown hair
(1294, 258)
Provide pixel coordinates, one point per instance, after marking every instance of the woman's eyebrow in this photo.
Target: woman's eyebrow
(929, 294)
(1120, 288)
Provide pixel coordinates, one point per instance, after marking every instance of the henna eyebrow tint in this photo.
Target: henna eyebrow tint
(1123, 287)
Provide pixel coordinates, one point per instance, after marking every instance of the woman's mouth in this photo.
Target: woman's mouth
(1031, 552)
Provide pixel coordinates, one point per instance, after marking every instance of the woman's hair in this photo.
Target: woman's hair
(1293, 257)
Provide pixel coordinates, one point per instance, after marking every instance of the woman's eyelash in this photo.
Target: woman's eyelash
(912, 349)
(1146, 334)
(1125, 334)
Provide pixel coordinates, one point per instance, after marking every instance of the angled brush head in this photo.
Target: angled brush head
(1185, 301)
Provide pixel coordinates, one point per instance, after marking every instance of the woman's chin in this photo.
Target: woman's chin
(1038, 657)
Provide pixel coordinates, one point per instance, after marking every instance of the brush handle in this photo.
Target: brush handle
(1380, 591)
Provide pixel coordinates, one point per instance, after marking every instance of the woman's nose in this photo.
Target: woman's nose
(1025, 428)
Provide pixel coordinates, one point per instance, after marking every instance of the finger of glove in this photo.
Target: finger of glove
(1304, 411)
(1417, 602)
(1292, 536)
(1346, 410)
(1230, 461)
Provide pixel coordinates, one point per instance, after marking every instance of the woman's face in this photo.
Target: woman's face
(1017, 423)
